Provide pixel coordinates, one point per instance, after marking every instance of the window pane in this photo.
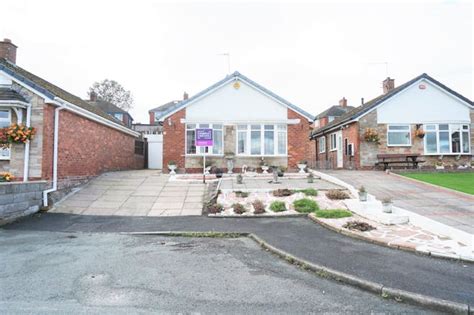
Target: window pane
(281, 127)
(190, 142)
(444, 127)
(443, 142)
(5, 152)
(398, 128)
(217, 137)
(430, 127)
(4, 114)
(465, 142)
(217, 126)
(242, 142)
(281, 142)
(268, 142)
(255, 143)
(242, 127)
(431, 143)
(398, 138)
(191, 126)
(455, 139)
(268, 127)
(255, 127)
(203, 125)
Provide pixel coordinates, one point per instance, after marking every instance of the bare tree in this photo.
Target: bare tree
(111, 91)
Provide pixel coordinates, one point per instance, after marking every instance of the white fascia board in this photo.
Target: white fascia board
(89, 115)
(241, 122)
(13, 104)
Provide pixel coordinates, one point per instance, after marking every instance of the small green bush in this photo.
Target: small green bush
(239, 208)
(308, 191)
(278, 206)
(333, 214)
(305, 205)
(258, 207)
(335, 194)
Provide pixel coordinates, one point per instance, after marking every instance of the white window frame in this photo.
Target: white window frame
(198, 148)
(119, 117)
(7, 157)
(248, 139)
(333, 142)
(399, 131)
(450, 130)
(322, 146)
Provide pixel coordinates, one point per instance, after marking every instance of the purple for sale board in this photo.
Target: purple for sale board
(204, 137)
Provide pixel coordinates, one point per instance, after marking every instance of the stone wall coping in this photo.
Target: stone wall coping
(23, 183)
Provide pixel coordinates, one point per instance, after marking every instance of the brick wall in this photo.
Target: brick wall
(174, 140)
(299, 145)
(152, 118)
(351, 133)
(86, 148)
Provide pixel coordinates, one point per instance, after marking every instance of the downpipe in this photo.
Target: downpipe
(26, 159)
(55, 156)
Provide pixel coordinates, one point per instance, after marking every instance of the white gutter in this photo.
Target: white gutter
(26, 160)
(55, 156)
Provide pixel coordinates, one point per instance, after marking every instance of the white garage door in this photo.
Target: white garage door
(155, 151)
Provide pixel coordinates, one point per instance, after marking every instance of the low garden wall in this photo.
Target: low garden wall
(19, 199)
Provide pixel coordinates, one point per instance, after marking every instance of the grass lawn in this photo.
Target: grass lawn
(458, 181)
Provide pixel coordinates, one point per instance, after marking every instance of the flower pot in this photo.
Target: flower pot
(172, 169)
(387, 207)
(362, 195)
(230, 165)
(265, 169)
(280, 174)
(302, 167)
(218, 175)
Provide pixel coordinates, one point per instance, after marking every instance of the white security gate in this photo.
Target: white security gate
(155, 151)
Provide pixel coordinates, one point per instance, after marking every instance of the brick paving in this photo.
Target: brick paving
(135, 193)
(438, 204)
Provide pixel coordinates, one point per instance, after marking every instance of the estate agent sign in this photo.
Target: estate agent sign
(204, 137)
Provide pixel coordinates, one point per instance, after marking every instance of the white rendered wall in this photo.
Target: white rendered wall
(4, 80)
(228, 104)
(415, 105)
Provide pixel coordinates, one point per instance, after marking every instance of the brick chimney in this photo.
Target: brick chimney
(93, 96)
(8, 50)
(343, 102)
(185, 96)
(388, 85)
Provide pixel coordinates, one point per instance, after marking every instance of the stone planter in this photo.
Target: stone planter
(363, 196)
(172, 169)
(387, 207)
(302, 167)
(265, 169)
(439, 167)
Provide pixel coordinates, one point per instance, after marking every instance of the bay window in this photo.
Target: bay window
(5, 121)
(263, 139)
(217, 137)
(398, 135)
(447, 139)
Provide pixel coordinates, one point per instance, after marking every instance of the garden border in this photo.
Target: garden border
(328, 273)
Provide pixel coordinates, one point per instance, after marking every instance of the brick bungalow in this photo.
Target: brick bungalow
(422, 116)
(74, 140)
(249, 123)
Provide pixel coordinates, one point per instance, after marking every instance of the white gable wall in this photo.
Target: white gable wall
(415, 106)
(228, 104)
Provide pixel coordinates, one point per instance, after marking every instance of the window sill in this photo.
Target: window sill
(4, 158)
(260, 156)
(201, 155)
(398, 145)
(449, 154)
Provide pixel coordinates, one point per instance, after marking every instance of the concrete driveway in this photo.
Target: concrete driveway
(450, 208)
(135, 193)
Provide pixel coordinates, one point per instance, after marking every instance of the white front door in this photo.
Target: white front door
(155, 151)
(340, 156)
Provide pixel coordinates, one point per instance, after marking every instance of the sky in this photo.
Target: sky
(310, 53)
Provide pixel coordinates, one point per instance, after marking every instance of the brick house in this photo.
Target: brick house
(111, 109)
(74, 140)
(421, 116)
(332, 113)
(249, 123)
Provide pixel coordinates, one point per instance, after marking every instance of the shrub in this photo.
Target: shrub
(308, 191)
(333, 214)
(305, 205)
(278, 206)
(258, 207)
(335, 194)
(239, 208)
(282, 192)
(241, 194)
(215, 208)
(359, 226)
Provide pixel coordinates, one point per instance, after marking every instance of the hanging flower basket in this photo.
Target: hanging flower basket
(18, 133)
(371, 135)
(6, 177)
(420, 133)
(4, 143)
